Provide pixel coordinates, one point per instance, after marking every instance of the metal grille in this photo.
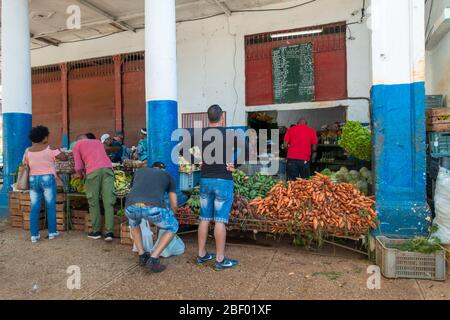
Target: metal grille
(91, 68)
(133, 62)
(331, 39)
(46, 74)
(196, 120)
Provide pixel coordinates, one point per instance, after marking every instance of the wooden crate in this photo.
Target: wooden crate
(125, 236)
(61, 216)
(78, 219)
(26, 221)
(61, 221)
(16, 221)
(88, 224)
(117, 223)
(435, 121)
(15, 214)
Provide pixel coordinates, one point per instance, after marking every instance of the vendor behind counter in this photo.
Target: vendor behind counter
(113, 148)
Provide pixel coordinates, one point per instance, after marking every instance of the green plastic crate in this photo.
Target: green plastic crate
(439, 144)
(434, 101)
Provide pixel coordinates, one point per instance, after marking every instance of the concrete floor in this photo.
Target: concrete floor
(109, 271)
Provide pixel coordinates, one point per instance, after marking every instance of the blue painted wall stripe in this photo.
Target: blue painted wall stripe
(162, 120)
(398, 113)
(65, 141)
(16, 128)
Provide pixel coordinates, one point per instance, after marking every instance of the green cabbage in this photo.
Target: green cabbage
(356, 140)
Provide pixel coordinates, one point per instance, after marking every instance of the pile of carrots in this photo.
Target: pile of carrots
(318, 204)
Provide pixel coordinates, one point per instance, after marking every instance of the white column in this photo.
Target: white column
(161, 81)
(398, 41)
(160, 49)
(16, 81)
(398, 115)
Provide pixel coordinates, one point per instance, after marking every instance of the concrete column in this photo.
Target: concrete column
(161, 81)
(398, 97)
(16, 81)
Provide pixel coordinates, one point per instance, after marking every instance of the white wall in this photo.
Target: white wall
(316, 118)
(211, 58)
(438, 59)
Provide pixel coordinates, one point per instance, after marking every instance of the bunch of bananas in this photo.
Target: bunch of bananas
(122, 182)
(78, 185)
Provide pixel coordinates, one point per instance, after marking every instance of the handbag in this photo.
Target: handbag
(23, 175)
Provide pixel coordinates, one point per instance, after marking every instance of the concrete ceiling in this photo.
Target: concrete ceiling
(102, 17)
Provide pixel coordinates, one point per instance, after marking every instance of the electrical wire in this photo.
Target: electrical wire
(279, 9)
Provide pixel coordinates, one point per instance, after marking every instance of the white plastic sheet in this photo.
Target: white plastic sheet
(147, 237)
(442, 206)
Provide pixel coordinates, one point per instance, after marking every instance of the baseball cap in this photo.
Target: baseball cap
(105, 137)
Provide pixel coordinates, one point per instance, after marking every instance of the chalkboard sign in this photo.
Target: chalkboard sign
(293, 74)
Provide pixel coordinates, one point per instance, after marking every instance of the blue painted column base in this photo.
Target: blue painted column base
(162, 121)
(16, 127)
(403, 220)
(398, 113)
(65, 141)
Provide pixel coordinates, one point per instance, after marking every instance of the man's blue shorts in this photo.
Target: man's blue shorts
(216, 199)
(164, 219)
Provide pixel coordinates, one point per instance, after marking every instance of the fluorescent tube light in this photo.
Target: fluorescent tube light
(298, 33)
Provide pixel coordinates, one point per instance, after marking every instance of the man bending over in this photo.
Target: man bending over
(146, 201)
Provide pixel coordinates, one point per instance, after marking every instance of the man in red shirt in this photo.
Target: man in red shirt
(301, 142)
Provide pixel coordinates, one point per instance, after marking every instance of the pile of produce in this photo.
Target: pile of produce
(66, 166)
(318, 205)
(184, 216)
(194, 201)
(443, 118)
(356, 140)
(134, 164)
(251, 187)
(361, 180)
(78, 185)
(421, 245)
(241, 208)
(122, 183)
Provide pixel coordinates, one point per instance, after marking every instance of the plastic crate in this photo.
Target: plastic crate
(189, 181)
(434, 101)
(439, 144)
(412, 265)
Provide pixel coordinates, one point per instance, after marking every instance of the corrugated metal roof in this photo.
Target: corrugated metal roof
(102, 17)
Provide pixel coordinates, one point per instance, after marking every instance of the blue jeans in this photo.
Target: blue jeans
(216, 199)
(164, 219)
(42, 186)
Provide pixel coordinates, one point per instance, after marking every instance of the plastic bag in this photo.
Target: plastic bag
(147, 237)
(175, 248)
(442, 206)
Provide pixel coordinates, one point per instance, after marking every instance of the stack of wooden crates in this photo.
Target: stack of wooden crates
(20, 209)
(438, 139)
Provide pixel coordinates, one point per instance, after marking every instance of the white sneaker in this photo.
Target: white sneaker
(35, 239)
(52, 236)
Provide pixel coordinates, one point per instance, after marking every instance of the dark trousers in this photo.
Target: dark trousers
(297, 169)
